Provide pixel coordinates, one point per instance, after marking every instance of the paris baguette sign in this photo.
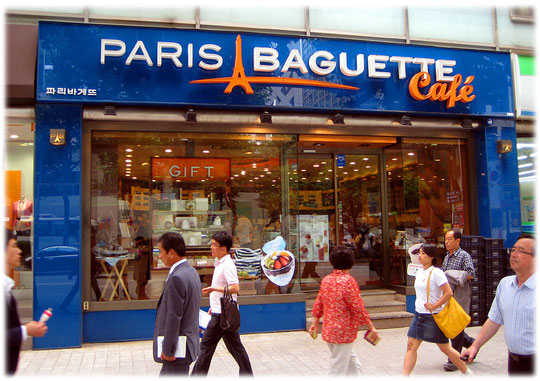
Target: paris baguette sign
(87, 63)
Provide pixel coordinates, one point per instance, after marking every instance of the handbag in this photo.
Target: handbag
(229, 319)
(453, 319)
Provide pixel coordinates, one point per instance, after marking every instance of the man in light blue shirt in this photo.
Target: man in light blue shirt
(514, 306)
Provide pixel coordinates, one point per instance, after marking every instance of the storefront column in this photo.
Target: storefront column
(57, 236)
(498, 183)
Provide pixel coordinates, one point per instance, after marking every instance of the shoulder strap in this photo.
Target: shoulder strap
(429, 276)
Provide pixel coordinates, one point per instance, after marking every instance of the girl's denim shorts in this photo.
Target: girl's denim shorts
(423, 327)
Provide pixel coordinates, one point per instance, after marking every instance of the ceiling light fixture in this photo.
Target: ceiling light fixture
(405, 121)
(266, 117)
(190, 115)
(467, 124)
(338, 119)
(109, 110)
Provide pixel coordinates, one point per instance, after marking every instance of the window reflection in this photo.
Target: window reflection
(145, 184)
(427, 195)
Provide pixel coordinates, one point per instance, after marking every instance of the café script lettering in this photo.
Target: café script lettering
(442, 91)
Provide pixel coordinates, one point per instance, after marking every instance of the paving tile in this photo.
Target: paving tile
(265, 350)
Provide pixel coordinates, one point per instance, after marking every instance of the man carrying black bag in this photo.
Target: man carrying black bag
(225, 276)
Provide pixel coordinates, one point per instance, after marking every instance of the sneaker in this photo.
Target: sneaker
(449, 367)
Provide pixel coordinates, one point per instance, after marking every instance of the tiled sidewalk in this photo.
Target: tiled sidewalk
(290, 354)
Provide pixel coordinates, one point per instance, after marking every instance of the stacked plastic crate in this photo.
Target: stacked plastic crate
(495, 267)
(474, 245)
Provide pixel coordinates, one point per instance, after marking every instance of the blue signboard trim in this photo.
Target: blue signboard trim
(87, 63)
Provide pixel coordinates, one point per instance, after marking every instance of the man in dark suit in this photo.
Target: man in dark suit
(16, 332)
(177, 312)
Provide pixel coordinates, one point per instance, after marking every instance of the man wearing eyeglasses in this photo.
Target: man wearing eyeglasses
(459, 269)
(225, 275)
(514, 306)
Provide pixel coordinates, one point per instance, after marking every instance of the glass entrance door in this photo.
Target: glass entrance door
(358, 188)
(338, 202)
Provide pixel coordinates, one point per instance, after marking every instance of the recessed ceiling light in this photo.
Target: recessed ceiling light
(134, 178)
(394, 158)
(129, 155)
(205, 151)
(129, 150)
(365, 158)
(128, 160)
(368, 166)
(128, 165)
(315, 165)
(14, 136)
(353, 162)
(411, 154)
(168, 150)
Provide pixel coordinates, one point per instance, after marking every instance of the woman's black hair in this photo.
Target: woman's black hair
(431, 251)
(342, 258)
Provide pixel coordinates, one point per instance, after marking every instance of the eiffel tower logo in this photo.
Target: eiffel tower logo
(239, 78)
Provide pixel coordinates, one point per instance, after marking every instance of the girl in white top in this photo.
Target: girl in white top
(423, 326)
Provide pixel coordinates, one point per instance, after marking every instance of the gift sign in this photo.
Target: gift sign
(182, 168)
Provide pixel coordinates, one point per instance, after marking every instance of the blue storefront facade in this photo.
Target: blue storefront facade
(81, 67)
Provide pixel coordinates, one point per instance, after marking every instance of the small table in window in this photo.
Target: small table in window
(118, 266)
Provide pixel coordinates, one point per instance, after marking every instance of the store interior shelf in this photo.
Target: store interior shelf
(191, 212)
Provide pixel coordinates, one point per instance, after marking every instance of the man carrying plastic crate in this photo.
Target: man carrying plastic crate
(459, 269)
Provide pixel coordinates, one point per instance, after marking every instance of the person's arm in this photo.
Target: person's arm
(317, 311)
(489, 329)
(233, 289)
(35, 329)
(468, 266)
(447, 294)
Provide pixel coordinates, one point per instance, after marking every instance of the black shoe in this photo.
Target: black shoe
(449, 367)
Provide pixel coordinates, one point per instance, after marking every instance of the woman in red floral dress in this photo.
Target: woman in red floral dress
(341, 306)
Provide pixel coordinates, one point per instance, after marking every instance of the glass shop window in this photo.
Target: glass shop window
(144, 184)
(427, 196)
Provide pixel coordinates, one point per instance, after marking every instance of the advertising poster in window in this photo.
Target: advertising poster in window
(313, 238)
